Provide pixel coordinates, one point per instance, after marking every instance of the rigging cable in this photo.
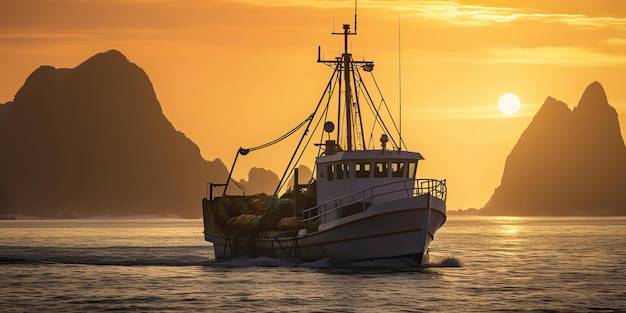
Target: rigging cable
(379, 118)
(322, 117)
(310, 119)
(388, 112)
(355, 71)
(281, 138)
(243, 151)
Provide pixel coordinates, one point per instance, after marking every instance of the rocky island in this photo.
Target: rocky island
(566, 162)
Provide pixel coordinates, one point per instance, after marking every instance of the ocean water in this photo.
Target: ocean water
(478, 264)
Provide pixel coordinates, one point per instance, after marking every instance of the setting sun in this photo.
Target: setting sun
(509, 103)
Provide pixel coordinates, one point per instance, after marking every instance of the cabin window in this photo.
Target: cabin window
(330, 170)
(343, 170)
(397, 169)
(412, 169)
(362, 170)
(340, 168)
(381, 169)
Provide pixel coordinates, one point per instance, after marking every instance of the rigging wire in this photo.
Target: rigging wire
(281, 138)
(238, 186)
(379, 118)
(359, 130)
(306, 131)
(388, 112)
(322, 117)
(243, 151)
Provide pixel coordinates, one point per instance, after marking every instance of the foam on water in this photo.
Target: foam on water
(390, 264)
(448, 261)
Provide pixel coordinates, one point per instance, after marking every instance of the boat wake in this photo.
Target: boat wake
(191, 256)
(384, 264)
(440, 261)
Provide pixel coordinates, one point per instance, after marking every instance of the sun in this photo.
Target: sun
(509, 103)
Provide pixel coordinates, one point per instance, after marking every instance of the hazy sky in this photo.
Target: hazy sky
(241, 73)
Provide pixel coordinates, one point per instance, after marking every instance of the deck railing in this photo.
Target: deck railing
(361, 200)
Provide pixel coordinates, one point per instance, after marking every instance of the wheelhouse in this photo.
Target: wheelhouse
(347, 172)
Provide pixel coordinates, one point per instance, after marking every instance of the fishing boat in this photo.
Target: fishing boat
(361, 202)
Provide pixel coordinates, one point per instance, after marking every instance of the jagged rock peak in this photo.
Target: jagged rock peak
(43, 69)
(110, 61)
(553, 107)
(43, 72)
(553, 104)
(109, 57)
(594, 95)
(112, 54)
(558, 150)
(99, 122)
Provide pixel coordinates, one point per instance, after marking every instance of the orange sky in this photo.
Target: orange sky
(241, 73)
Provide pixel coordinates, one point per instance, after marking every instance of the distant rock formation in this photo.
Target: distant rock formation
(304, 176)
(265, 181)
(259, 180)
(93, 140)
(470, 211)
(566, 162)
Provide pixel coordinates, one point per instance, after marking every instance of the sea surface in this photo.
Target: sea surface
(478, 264)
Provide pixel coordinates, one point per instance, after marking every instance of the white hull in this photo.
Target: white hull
(396, 229)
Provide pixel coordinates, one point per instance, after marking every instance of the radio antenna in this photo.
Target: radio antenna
(400, 82)
(355, 16)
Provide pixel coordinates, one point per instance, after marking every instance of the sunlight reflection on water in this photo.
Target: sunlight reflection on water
(477, 264)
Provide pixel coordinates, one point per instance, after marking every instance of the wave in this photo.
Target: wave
(189, 256)
(122, 255)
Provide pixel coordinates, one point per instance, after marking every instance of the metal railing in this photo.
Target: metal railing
(361, 200)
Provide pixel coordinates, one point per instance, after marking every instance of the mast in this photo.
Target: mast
(346, 66)
(346, 77)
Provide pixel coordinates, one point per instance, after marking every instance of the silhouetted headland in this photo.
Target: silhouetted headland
(566, 162)
(259, 180)
(93, 140)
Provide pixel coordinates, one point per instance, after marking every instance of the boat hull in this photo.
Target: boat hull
(397, 229)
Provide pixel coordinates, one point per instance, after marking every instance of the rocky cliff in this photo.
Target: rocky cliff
(566, 162)
(93, 140)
